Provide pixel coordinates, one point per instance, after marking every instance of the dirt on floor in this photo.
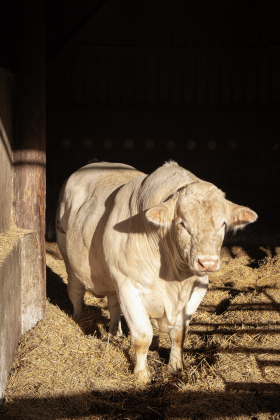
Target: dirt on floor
(67, 370)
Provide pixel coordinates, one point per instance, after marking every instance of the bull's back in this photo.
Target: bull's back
(88, 189)
(85, 203)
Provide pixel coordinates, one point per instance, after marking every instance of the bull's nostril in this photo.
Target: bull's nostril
(200, 263)
(207, 264)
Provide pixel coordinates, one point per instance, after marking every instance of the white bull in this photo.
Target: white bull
(148, 242)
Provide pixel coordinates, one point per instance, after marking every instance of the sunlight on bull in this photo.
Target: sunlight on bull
(148, 242)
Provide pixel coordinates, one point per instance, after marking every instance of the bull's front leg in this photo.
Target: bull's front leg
(140, 329)
(178, 334)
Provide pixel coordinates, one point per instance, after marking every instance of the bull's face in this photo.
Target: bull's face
(199, 216)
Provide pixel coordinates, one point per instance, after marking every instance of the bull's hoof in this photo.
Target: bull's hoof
(114, 339)
(175, 367)
(77, 315)
(143, 376)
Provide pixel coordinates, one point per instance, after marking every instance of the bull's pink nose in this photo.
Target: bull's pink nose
(206, 264)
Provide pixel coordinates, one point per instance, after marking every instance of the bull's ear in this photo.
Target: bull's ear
(162, 214)
(239, 216)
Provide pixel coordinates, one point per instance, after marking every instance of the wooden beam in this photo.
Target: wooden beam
(29, 154)
(97, 16)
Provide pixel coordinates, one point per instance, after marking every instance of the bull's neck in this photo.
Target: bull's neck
(162, 245)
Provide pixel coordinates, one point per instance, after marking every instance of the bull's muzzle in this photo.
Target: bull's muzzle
(207, 265)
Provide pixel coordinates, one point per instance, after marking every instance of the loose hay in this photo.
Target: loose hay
(68, 370)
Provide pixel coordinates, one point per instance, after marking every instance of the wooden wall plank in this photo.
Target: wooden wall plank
(116, 81)
(10, 312)
(152, 79)
(179, 19)
(117, 37)
(267, 28)
(214, 80)
(238, 79)
(66, 21)
(155, 23)
(217, 23)
(66, 83)
(33, 297)
(202, 74)
(52, 26)
(191, 24)
(89, 5)
(6, 156)
(91, 77)
(204, 24)
(102, 77)
(251, 79)
(275, 96)
(164, 78)
(78, 11)
(177, 79)
(78, 77)
(190, 65)
(269, 82)
(141, 78)
(263, 81)
(226, 79)
(229, 19)
(255, 23)
(93, 37)
(167, 25)
(241, 23)
(276, 25)
(142, 22)
(104, 31)
(244, 82)
(129, 23)
(127, 78)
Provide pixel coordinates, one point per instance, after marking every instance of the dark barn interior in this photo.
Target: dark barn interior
(196, 82)
(138, 82)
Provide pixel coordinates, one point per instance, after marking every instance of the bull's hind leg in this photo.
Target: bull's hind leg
(115, 327)
(76, 292)
(75, 289)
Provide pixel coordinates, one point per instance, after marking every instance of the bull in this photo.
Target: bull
(148, 243)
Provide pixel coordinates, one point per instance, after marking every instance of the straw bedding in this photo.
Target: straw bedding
(67, 370)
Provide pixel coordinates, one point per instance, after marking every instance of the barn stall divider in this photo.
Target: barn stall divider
(22, 181)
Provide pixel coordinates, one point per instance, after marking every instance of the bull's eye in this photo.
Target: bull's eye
(183, 225)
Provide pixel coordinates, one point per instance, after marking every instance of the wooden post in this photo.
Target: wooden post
(29, 128)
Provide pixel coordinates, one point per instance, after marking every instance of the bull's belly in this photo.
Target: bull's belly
(99, 285)
(89, 268)
(95, 279)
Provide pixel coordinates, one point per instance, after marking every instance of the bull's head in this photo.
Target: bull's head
(198, 217)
